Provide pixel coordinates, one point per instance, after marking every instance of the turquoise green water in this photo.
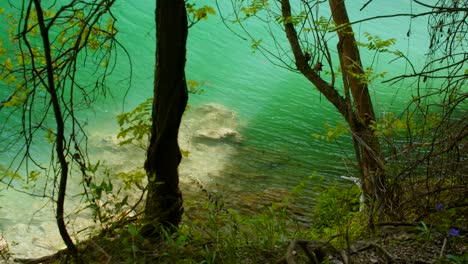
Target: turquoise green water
(278, 110)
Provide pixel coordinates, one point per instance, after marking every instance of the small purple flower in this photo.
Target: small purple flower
(454, 232)
(440, 207)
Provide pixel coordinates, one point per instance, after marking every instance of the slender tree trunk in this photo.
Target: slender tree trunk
(60, 136)
(365, 140)
(356, 107)
(164, 199)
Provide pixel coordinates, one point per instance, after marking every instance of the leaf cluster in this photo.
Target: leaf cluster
(336, 206)
(333, 133)
(295, 20)
(108, 198)
(376, 43)
(136, 124)
(197, 14)
(252, 7)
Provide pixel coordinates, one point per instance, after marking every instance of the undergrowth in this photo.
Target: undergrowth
(214, 232)
(211, 232)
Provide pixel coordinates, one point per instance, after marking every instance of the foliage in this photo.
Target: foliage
(75, 39)
(212, 232)
(132, 179)
(378, 44)
(458, 259)
(230, 236)
(335, 206)
(295, 20)
(196, 87)
(332, 133)
(197, 14)
(336, 214)
(110, 196)
(368, 76)
(447, 222)
(390, 126)
(136, 124)
(7, 176)
(426, 157)
(48, 48)
(323, 24)
(425, 154)
(256, 44)
(429, 163)
(253, 7)
(105, 203)
(74, 31)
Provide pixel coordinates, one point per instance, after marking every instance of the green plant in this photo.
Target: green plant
(458, 259)
(5, 253)
(107, 201)
(336, 214)
(135, 126)
(425, 231)
(131, 241)
(332, 133)
(214, 233)
(195, 14)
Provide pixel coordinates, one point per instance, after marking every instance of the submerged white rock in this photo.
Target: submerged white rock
(222, 133)
(212, 122)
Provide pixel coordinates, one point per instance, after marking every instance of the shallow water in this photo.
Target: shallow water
(273, 110)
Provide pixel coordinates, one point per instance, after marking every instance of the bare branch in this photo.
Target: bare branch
(366, 4)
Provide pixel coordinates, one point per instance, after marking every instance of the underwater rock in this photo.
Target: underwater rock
(212, 123)
(210, 116)
(222, 133)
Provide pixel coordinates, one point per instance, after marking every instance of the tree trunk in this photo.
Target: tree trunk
(60, 149)
(164, 199)
(366, 142)
(356, 107)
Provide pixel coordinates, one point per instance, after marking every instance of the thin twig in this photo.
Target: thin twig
(366, 4)
(443, 248)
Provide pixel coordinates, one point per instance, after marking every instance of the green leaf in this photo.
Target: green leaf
(33, 175)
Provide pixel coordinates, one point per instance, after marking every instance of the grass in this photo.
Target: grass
(212, 232)
(208, 234)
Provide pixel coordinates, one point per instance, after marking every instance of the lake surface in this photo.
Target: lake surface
(275, 111)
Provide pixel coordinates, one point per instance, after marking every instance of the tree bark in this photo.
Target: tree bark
(370, 161)
(302, 65)
(356, 107)
(60, 135)
(164, 199)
